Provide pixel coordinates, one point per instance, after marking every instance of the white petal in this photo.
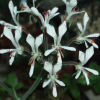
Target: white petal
(47, 52)
(80, 26)
(51, 31)
(95, 45)
(13, 11)
(73, 3)
(78, 74)
(39, 40)
(26, 7)
(45, 83)
(92, 71)
(53, 13)
(86, 45)
(8, 25)
(54, 10)
(88, 54)
(68, 48)
(86, 77)
(64, 1)
(37, 13)
(12, 58)
(30, 40)
(85, 20)
(48, 67)
(54, 92)
(60, 82)
(58, 65)
(59, 58)
(18, 34)
(5, 50)
(62, 29)
(73, 13)
(31, 70)
(81, 56)
(9, 35)
(93, 35)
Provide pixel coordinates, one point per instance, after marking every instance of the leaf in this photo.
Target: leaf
(95, 66)
(19, 86)
(95, 80)
(75, 91)
(2, 89)
(0, 98)
(67, 79)
(7, 89)
(97, 87)
(11, 80)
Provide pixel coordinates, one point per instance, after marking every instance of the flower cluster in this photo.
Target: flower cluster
(56, 47)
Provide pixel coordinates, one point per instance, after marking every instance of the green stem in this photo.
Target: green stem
(15, 95)
(32, 88)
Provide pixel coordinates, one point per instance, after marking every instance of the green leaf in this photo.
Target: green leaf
(19, 86)
(74, 91)
(0, 98)
(11, 80)
(7, 89)
(67, 79)
(95, 80)
(81, 80)
(2, 89)
(97, 87)
(95, 66)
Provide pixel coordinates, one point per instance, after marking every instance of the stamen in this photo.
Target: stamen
(65, 17)
(23, 7)
(45, 13)
(10, 52)
(53, 84)
(74, 9)
(60, 50)
(62, 55)
(92, 41)
(57, 56)
(32, 62)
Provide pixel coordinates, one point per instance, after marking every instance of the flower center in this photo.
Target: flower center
(52, 77)
(79, 67)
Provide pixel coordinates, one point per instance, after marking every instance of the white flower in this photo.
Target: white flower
(84, 57)
(81, 38)
(13, 11)
(15, 41)
(69, 8)
(34, 43)
(24, 7)
(57, 39)
(48, 15)
(53, 77)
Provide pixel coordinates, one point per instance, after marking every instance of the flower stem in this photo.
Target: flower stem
(32, 88)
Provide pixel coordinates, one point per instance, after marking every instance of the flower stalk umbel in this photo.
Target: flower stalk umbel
(53, 77)
(34, 43)
(88, 38)
(14, 33)
(15, 41)
(84, 57)
(57, 39)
